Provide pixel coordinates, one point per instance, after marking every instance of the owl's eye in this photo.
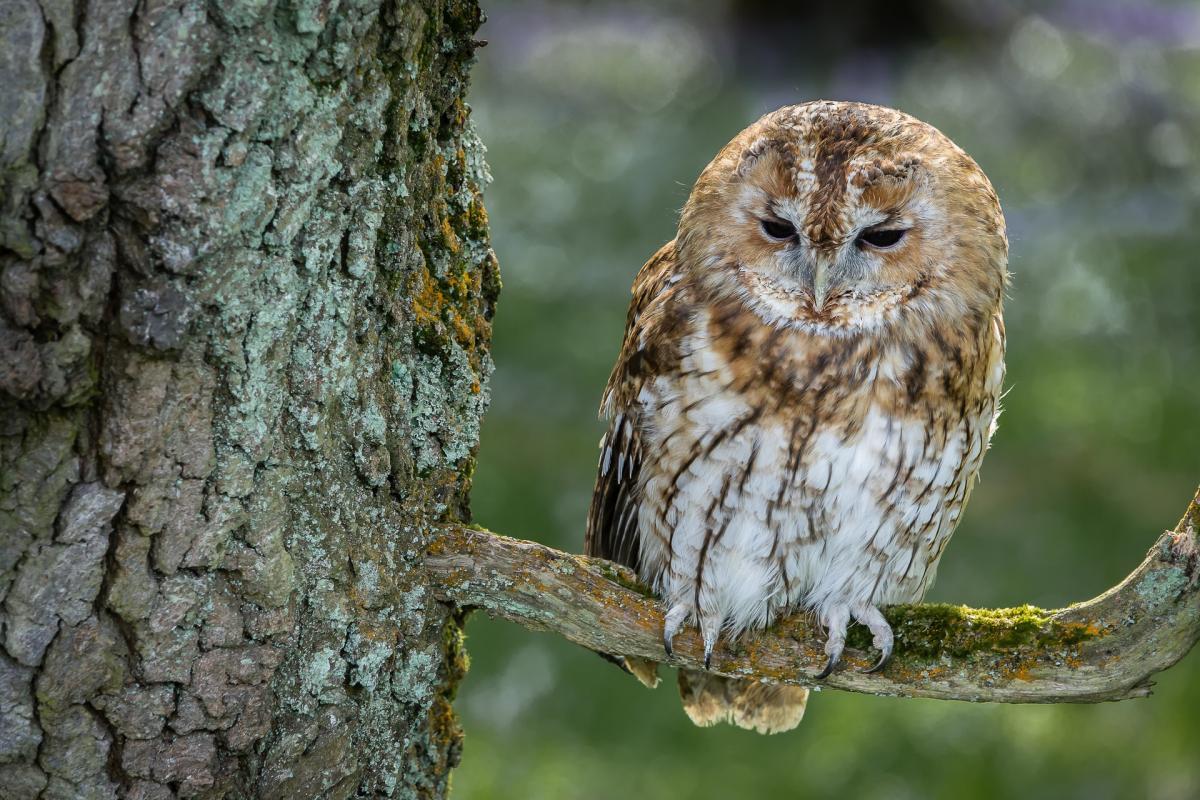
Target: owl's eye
(778, 229)
(882, 238)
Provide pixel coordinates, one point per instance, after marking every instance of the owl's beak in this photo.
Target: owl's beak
(820, 284)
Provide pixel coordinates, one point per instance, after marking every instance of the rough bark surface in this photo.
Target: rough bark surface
(245, 286)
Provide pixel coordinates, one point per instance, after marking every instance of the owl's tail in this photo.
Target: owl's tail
(763, 707)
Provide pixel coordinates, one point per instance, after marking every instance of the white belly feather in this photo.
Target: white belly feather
(860, 522)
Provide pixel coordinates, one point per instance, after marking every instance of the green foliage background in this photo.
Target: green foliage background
(598, 118)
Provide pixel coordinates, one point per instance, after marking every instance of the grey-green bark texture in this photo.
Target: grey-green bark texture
(246, 289)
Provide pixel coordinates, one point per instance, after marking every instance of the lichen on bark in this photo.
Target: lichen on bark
(245, 302)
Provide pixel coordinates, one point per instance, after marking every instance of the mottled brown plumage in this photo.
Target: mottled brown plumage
(810, 375)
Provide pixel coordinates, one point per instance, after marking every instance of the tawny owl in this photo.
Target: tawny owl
(810, 375)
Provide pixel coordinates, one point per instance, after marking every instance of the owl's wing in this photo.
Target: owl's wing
(612, 523)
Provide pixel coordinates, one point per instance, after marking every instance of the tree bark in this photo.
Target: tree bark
(246, 289)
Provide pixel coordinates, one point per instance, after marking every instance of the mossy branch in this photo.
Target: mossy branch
(1103, 649)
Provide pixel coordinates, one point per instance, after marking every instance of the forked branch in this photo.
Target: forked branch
(1104, 649)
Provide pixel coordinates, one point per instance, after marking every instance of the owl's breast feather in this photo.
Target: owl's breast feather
(841, 492)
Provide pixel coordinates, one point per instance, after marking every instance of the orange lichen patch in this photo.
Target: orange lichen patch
(604, 596)
(442, 309)
(463, 332)
(441, 545)
(1024, 664)
(1020, 673)
(933, 672)
(449, 237)
(477, 218)
(369, 630)
(465, 285)
(453, 304)
(427, 302)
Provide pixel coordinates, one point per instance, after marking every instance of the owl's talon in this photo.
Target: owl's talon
(881, 635)
(671, 627)
(880, 664)
(833, 649)
(834, 621)
(829, 667)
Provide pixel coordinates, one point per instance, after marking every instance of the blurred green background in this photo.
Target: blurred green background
(599, 116)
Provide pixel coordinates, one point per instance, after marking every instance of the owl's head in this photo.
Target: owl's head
(839, 218)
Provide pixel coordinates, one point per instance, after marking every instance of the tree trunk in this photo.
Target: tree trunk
(246, 290)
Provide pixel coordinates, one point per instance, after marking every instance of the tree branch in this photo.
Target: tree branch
(1104, 649)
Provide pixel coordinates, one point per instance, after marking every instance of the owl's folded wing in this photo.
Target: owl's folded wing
(612, 523)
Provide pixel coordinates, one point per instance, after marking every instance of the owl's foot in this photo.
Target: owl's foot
(835, 622)
(881, 634)
(674, 622)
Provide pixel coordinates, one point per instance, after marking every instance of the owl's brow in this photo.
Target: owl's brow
(898, 169)
(773, 209)
(781, 147)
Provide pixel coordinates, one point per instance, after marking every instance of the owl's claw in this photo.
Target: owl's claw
(880, 664)
(833, 652)
(881, 635)
(829, 666)
(835, 622)
(674, 621)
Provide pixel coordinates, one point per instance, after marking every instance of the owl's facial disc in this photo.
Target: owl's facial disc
(831, 265)
(839, 219)
(847, 274)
